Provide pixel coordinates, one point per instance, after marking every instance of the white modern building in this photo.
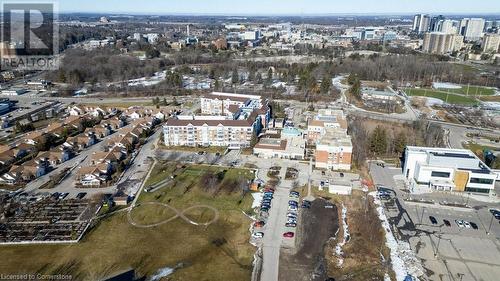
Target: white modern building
(421, 23)
(447, 170)
(472, 28)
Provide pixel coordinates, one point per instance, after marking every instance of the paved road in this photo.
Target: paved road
(273, 234)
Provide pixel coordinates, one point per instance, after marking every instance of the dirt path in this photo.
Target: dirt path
(306, 261)
(178, 214)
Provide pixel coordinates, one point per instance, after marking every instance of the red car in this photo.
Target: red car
(258, 224)
(288, 234)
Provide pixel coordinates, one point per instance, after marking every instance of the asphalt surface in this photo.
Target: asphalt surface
(446, 252)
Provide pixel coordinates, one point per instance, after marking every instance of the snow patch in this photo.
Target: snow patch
(403, 259)
(257, 198)
(162, 272)
(338, 249)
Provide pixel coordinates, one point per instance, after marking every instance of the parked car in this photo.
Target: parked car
(293, 202)
(63, 195)
(288, 234)
(258, 234)
(447, 222)
(460, 223)
(473, 225)
(290, 224)
(433, 220)
(467, 224)
(259, 224)
(81, 195)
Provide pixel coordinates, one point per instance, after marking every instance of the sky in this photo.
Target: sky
(281, 7)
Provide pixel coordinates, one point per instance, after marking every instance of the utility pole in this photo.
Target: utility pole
(489, 228)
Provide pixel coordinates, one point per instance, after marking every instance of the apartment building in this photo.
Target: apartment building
(326, 118)
(328, 131)
(447, 169)
(211, 131)
(442, 43)
(472, 28)
(334, 150)
(491, 43)
(228, 119)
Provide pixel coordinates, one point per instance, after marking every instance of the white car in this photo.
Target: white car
(460, 223)
(258, 234)
(467, 224)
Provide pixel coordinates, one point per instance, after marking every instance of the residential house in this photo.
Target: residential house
(81, 141)
(114, 123)
(76, 111)
(123, 140)
(55, 157)
(24, 173)
(55, 128)
(99, 131)
(112, 156)
(6, 158)
(35, 137)
(94, 175)
(73, 122)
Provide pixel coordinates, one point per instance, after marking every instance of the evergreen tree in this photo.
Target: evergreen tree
(378, 141)
(400, 143)
(234, 77)
(325, 85)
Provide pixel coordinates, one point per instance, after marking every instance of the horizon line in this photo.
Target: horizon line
(282, 15)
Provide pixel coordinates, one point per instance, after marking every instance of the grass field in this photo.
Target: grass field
(471, 91)
(218, 252)
(452, 98)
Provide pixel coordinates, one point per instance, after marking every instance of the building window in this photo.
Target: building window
(481, 181)
(440, 174)
(479, 190)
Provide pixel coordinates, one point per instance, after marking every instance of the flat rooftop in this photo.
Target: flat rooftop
(462, 159)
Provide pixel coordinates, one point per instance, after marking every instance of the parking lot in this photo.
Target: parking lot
(456, 251)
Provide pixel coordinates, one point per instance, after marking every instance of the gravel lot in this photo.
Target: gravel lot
(306, 261)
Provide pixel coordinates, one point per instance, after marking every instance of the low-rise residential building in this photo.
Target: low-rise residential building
(334, 150)
(326, 118)
(34, 137)
(124, 140)
(217, 103)
(94, 175)
(447, 169)
(292, 147)
(26, 172)
(81, 141)
(211, 131)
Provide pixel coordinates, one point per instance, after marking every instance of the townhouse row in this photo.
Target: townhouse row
(104, 164)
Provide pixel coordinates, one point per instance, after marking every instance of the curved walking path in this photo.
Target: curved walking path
(177, 215)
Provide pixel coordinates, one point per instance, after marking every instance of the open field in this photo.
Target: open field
(218, 252)
(442, 95)
(362, 258)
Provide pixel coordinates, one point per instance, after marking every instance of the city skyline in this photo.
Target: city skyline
(294, 7)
